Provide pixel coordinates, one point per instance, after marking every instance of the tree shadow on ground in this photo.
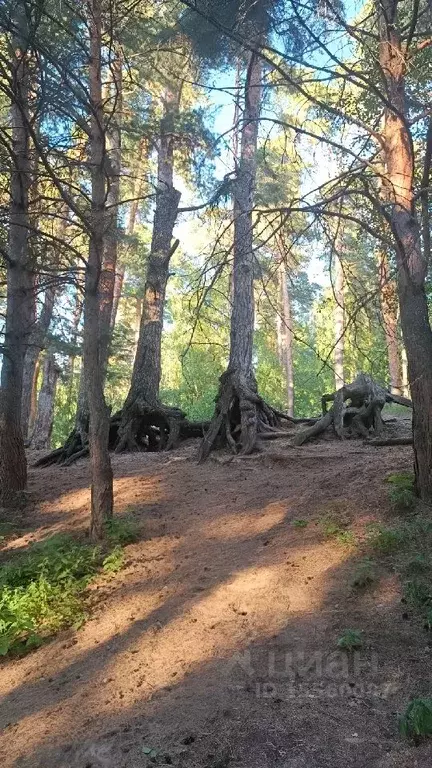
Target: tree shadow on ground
(230, 653)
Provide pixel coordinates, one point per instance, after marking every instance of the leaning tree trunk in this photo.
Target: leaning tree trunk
(398, 154)
(143, 395)
(285, 334)
(100, 463)
(13, 465)
(41, 437)
(240, 412)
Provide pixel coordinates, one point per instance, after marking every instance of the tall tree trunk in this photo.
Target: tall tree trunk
(109, 268)
(144, 388)
(339, 319)
(36, 343)
(389, 310)
(13, 465)
(411, 262)
(41, 437)
(243, 314)
(285, 340)
(240, 413)
(101, 472)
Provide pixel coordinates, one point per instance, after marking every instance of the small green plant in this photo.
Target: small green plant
(402, 499)
(334, 529)
(386, 540)
(114, 561)
(401, 494)
(401, 480)
(416, 721)
(42, 591)
(300, 523)
(428, 620)
(122, 530)
(350, 639)
(417, 593)
(364, 574)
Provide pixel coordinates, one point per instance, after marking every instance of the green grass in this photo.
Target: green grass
(364, 574)
(350, 639)
(333, 528)
(416, 721)
(401, 493)
(42, 591)
(300, 523)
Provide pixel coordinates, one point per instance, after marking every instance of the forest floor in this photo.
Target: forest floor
(216, 645)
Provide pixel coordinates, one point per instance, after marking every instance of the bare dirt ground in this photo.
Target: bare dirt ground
(217, 644)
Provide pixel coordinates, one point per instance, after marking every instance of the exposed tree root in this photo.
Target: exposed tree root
(145, 428)
(382, 441)
(361, 417)
(241, 417)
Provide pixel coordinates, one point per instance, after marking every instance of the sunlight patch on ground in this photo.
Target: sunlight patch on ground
(240, 525)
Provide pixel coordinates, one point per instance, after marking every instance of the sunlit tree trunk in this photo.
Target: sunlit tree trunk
(411, 262)
(389, 309)
(238, 388)
(339, 320)
(101, 472)
(285, 336)
(405, 383)
(41, 437)
(144, 389)
(13, 465)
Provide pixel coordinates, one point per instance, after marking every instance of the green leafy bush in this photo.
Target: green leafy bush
(416, 722)
(42, 591)
(122, 530)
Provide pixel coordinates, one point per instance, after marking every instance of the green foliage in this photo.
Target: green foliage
(350, 639)
(364, 574)
(401, 494)
(416, 721)
(300, 523)
(418, 593)
(333, 528)
(42, 591)
(122, 530)
(385, 539)
(113, 562)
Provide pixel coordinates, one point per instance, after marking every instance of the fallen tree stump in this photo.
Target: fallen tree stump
(361, 417)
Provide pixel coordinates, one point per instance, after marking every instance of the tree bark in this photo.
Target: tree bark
(144, 388)
(13, 465)
(240, 413)
(389, 309)
(109, 273)
(412, 265)
(339, 319)
(41, 437)
(35, 346)
(100, 463)
(405, 383)
(285, 341)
